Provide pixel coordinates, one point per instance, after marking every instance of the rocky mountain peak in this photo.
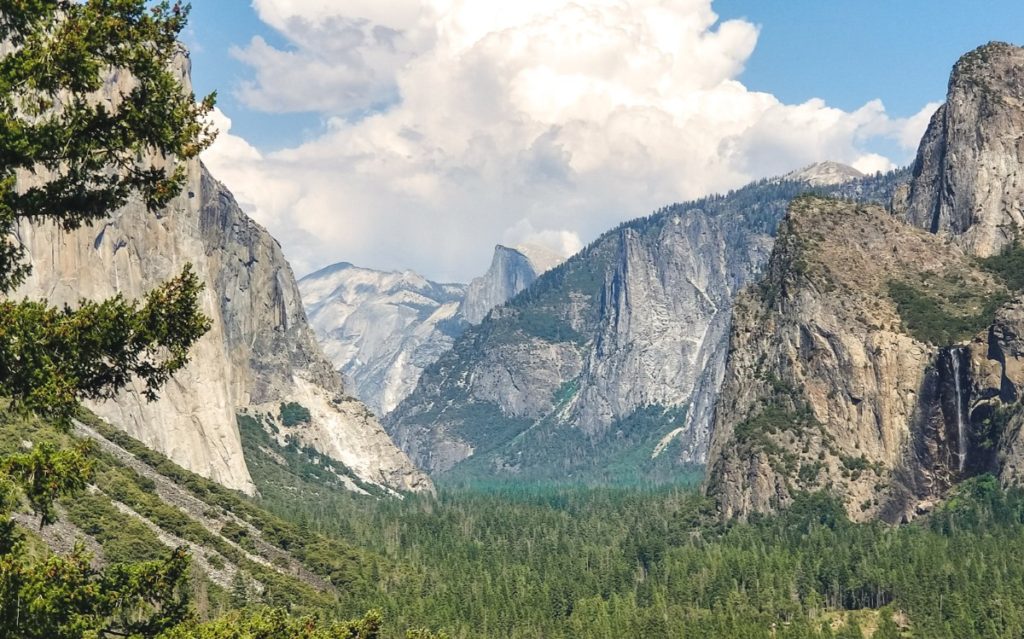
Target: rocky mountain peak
(381, 328)
(511, 271)
(968, 181)
(826, 173)
(995, 64)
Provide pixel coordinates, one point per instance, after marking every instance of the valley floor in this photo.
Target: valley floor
(550, 561)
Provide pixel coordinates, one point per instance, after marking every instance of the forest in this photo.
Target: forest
(604, 563)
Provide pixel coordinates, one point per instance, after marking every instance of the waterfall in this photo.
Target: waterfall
(954, 356)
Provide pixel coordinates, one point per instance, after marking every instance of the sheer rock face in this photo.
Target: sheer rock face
(193, 422)
(259, 353)
(619, 352)
(968, 178)
(636, 320)
(861, 407)
(886, 421)
(511, 271)
(381, 329)
(275, 351)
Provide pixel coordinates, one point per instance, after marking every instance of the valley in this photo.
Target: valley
(786, 410)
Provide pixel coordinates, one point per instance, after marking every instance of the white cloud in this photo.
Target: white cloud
(561, 242)
(546, 121)
(871, 163)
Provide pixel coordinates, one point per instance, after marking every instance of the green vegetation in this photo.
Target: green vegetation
(1008, 265)
(85, 157)
(549, 453)
(293, 414)
(599, 562)
(583, 562)
(951, 311)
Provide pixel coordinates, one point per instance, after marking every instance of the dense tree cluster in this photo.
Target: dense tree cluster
(561, 561)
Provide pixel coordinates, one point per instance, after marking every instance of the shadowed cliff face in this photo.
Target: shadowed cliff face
(968, 181)
(260, 352)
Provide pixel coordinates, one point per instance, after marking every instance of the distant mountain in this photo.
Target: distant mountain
(824, 174)
(382, 328)
(511, 271)
(607, 366)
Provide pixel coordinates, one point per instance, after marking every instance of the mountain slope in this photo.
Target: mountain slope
(381, 329)
(141, 506)
(838, 374)
(602, 355)
(260, 352)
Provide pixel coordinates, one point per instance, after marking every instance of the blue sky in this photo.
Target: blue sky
(549, 121)
(845, 52)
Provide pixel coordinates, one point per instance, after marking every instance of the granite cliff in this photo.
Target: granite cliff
(880, 358)
(259, 355)
(968, 181)
(607, 366)
(381, 328)
(846, 370)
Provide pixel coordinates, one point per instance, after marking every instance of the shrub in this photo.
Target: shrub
(293, 414)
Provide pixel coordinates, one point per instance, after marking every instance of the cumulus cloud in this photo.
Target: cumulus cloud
(456, 124)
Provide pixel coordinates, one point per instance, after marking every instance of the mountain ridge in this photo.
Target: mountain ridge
(382, 328)
(559, 362)
(880, 358)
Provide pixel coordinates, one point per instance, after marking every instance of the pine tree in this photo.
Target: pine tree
(69, 159)
(239, 591)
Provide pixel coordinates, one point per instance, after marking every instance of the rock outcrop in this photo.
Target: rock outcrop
(837, 377)
(381, 329)
(260, 353)
(968, 177)
(880, 359)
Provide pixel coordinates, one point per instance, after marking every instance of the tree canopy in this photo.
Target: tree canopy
(92, 113)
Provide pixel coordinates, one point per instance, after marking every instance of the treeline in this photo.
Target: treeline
(607, 563)
(551, 561)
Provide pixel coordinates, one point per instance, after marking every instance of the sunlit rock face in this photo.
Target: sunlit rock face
(968, 179)
(611, 360)
(259, 353)
(382, 328)
(832, 381)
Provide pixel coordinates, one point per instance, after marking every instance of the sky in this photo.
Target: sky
(417, 134)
